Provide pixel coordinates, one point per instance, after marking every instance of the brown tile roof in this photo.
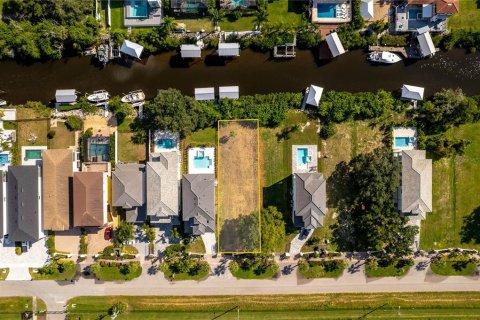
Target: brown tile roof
(57, 171)
(420, 2)
(447, 6)
(88, 206)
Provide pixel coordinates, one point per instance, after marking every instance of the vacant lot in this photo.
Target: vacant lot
(468, 18)
(238, 175)
(456, 202)
(436, 305)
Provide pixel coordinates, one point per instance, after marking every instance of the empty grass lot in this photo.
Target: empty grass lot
(468, 18)
(456, 214)
(437, 305)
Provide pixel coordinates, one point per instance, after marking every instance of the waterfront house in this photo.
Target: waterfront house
(412, 93)
(411, 15)
(65, 96)
(190, 51)
(228, 49)
(196, 7)
(425, 43)
(128, 190)
(415, 198)
(57, 169)
(24, 204)
(163, 184)
(309, 200)
(230, 92)
(334, 44)
(90, 199)
(366, 9)
(3, 204)
(205, 94)
(198, 203)
(142, 13)
(131, 49)
(237, 4)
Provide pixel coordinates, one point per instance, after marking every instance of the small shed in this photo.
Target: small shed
(412, 92)
(205, 93)
(66, 96)
(314, 95)
(190, 51)
(334, 44)
(425, 42)
(131, 49)
(231, 92)
(229, 49)
(366, 9)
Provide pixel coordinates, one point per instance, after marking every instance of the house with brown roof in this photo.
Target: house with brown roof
(57, 169)
(90, 192)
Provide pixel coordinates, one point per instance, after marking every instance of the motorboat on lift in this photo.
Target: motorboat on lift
(98, 96)
(134, 97)
(384, 57)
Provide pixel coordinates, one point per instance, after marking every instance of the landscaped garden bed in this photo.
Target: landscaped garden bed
(59, 270)
(387, 268)
(454, 265)
(253, 267)
(112, 271)
(322, 268)
(178, 265)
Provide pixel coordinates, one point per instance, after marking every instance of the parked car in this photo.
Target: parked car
(305, 233)
(108, 233)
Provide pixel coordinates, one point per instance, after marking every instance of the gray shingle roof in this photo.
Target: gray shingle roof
(128, 185)
(198, 203)
(310, 199)
(23, 215)
(3, 222)
(416, 199)
(163, 185)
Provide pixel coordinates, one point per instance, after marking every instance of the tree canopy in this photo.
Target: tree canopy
(273, 230)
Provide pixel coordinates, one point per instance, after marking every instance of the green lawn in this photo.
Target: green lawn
(456, 215)
(117, 12)
(67, 275)
(321, 269)
(428, 305)
(324, 234)
(286, 11)
(396, 269)
(255, 272)
(112, 272)
(196, 246)
(1, 5)
(129, 151)
(63, 138)
(12, 307)
(4, 273)
(468, 18)
(458, 266)
(202, 274)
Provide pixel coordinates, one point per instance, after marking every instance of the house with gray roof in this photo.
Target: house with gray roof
(163, 183)
(3, 205)
(24, 203)
(416, 188)
(309, 200)
(198, 203)
(128, 190)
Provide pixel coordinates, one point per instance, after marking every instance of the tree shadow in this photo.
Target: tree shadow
(338, 185)
(296, 6)
(240, 235)
(278, 195)
(471, 227)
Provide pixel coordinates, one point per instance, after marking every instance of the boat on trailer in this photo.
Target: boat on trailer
(134, 97)
(386, 57)
(98, 96)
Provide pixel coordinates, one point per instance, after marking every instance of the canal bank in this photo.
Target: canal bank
(253, 72)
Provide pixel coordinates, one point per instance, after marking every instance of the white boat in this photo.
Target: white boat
(134, 97)
(103, 53)
(3, 102)
(98, 96)
(384, 57)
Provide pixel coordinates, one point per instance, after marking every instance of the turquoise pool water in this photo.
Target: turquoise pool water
(4, 159)
(403, 141)
(326, 10)
(239, 3)
(33, 154)
(414, 13)
(302, 156)
(202, 162)
(165, 143)
(138, 9)
(97, 150)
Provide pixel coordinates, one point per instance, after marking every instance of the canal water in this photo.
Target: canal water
(253, 72)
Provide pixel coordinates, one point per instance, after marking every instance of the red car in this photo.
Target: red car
(108, 233)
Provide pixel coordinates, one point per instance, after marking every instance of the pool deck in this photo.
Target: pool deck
(311, 166)
(404, 132)
(31, 162)
(346, 18)
(158, 135)
(208, 152)
(153, 19)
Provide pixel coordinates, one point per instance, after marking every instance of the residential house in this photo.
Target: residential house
(162, 174)
(415, 198)
(90, 192)
(128, 190)
(57, 170)
(198, 203)
(24, 203)
(3, 204)
(433, 14)
(309, 200)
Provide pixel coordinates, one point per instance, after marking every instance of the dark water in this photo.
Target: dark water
(253, 72)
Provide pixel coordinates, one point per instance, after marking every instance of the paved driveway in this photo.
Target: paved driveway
(68, 241)
(36, 257)
(96, 240)
(210, 242)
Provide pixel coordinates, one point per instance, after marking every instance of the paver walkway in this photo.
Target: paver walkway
(297, 243)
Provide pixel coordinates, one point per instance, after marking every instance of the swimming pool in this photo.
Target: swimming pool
(403, 141)
(33, 154)
(302, 156)
(239, 3)
(165, 143)
(326, 10)
(137, 9)
(202, 162)
(414, 13)
(97, 150)
(4, 159)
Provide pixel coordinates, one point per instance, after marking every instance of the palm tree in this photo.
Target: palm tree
(168, 24)
(261, 17)
(215, 16)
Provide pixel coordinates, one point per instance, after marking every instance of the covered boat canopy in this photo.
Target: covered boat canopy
(231, 92)
(229, 49)
(334, 44)
(190, 51)
(412, 92)
(205, 93)
(366, 9)
(131, 49)
(314, 95)
(427, 48)
(66, 96)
